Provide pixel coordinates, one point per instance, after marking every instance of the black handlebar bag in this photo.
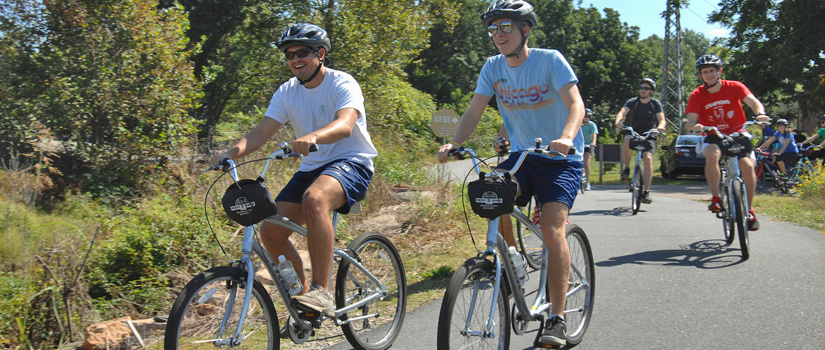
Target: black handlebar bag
(737, 146)
(248, 202)
(492, 197)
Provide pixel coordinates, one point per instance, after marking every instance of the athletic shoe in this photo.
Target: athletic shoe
(626, 174)
(753, 224)
(646, 197)
(317, 299)
(587, 186)
(553, 332)
(715, 205)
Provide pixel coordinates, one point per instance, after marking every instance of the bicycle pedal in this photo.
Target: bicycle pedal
(314, 317)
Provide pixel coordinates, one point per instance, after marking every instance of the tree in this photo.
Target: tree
(117, 86)
(777, 49)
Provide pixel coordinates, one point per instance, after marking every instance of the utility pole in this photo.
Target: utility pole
(673, 100)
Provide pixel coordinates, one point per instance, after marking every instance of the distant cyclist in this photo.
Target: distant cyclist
(820, 153)
(590, 132)
(718, 103)
(787, 150)
(642, 113)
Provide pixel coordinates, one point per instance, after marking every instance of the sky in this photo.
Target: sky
(646, 14)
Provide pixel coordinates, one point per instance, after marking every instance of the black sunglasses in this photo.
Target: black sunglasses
(645, 88)
(506, 27)
(301, 53)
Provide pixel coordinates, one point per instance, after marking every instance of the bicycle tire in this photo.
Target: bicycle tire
(579, 303)
(728, 223)
(636, 182)
(379, 256)
(530, 244)
(458, 299)
(198, 310)
(741, 212)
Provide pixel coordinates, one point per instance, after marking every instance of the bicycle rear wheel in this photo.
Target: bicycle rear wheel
(218, 293)
(382, 317)
(466, 306)
(530, 243)
(636, 183)
(741, 214)
(581, 286)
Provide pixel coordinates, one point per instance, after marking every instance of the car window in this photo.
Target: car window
(687, 141)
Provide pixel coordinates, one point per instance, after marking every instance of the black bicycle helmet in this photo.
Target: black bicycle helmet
(517, 9)
(782, 122)
(648, 81)
(822, 118)
(304, 34)
(588, 112)
(709, 60)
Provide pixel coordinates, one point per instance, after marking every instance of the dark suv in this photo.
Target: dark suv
(680, 157)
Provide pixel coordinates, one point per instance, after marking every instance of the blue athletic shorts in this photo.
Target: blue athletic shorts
(549, 180)
(353, 176)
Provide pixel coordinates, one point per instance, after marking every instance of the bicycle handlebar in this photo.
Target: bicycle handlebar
(228, 164)
(649, 133)
(464, 151)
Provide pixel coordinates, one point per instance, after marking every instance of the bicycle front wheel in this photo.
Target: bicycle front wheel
(465, 310)
(375, 324)
(741, 212)
(195, 321)
(728, 224)
(581, 286)
(636, 200)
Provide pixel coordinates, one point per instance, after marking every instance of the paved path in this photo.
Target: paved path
(667, 280)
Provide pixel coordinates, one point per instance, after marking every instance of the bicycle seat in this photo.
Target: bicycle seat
(356, 207)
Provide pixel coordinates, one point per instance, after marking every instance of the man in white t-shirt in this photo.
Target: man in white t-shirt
(324, 107)
(537, 96)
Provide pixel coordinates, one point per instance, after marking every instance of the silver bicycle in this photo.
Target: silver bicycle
(229, 307)
(641, 143)
(475, 313)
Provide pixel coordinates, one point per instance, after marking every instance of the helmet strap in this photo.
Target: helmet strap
(708, 87)
(302, 82)
(517, 54)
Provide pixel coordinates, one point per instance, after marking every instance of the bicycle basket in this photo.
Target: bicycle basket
(492, 197)
(248, 202)
(641, 144)
(738, 146)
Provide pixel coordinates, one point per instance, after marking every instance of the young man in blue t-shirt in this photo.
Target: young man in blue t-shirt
(537, 96)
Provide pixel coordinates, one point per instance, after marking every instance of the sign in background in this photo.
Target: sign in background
(444, 123)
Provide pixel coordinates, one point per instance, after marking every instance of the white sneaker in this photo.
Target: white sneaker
(587, 186)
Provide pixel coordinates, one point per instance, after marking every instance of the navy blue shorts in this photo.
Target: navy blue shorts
(353, 176)
(549, 180)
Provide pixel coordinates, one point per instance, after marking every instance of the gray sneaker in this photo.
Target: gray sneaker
(316, 299)
(553, 332)
(646, 197)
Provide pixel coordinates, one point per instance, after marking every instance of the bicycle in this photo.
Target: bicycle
(226, 306)
(768, 174)
(732, 191)
(641, 143)
(475, 312)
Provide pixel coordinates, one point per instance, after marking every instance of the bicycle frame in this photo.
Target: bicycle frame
(250, 245)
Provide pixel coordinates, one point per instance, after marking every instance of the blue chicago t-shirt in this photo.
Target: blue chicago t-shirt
(528, 97)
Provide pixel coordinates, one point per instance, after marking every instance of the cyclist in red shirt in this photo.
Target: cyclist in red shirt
(719, 103)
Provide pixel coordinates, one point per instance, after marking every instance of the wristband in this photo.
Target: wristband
(758, 114)
(454, 144)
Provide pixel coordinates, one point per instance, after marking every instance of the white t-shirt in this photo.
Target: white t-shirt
(308, 110)
(528, 97)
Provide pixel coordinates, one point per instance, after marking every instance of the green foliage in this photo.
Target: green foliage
(145, 242)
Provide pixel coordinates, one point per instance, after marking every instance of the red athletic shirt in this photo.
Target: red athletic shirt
(722, 109)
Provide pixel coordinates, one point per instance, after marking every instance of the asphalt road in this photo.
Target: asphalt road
(667, 280)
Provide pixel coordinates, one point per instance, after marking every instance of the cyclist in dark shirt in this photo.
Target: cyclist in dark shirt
(642, 113)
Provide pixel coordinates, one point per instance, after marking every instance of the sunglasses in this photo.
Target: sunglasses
(506, 27)
(301, 53)
(645, 88)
